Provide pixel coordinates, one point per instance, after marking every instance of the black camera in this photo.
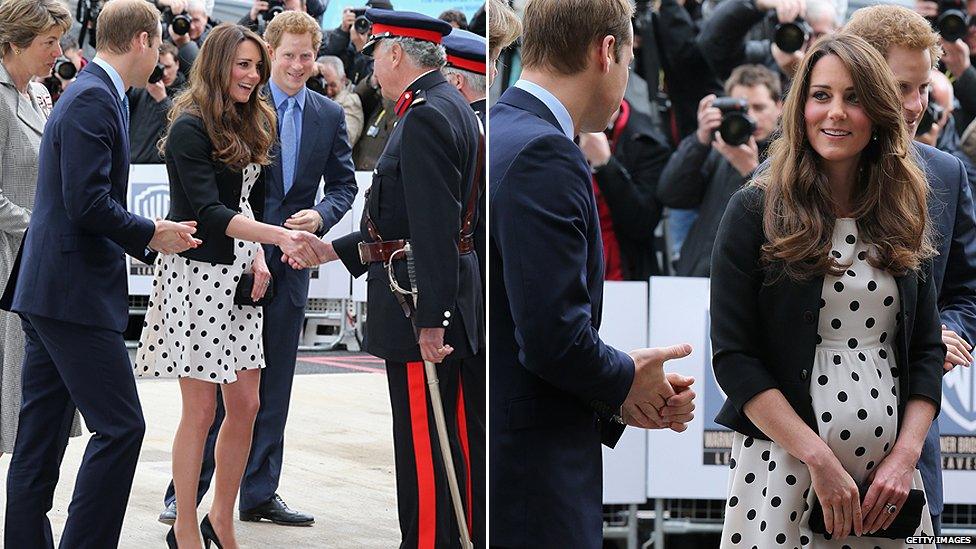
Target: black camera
(362, 25)
(274, 8)
(790, 37)
(64, 68)
(178, 24)
(316, 84)
(952, 21)
(933, 113)
(737, 126)
(157, 73)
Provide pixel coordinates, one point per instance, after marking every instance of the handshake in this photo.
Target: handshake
(657, 400)
(302, 250)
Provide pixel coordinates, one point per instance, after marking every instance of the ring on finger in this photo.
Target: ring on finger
(890, 508)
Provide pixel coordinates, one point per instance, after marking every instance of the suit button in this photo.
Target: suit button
(446, 323)
(808, 317)
(803, 374)
(447, 314)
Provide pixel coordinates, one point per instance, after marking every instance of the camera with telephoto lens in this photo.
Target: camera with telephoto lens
(362, 24)
(737, 126)
(178, 24)
(933, 113)
(274, 8)
(157, 73)
(790, 37)
(953, 21)
(64, 68)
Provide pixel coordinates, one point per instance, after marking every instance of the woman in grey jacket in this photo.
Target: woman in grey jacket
(30, 31)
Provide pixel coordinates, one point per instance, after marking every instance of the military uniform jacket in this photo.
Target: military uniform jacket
(420, 187)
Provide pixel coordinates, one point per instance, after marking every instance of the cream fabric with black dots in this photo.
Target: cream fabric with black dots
(854, 391)
(193, 328)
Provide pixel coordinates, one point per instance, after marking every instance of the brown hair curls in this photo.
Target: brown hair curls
(889, 196)
(240, 133)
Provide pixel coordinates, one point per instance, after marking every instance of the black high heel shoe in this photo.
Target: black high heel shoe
(208, 533)
(171, 539)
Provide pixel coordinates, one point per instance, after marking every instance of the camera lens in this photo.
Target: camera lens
(65, 68)
(790, 37)
(736, 128)
(180, 25)
(157, 73)
(363, 25)
(952, 25)
(272, 12)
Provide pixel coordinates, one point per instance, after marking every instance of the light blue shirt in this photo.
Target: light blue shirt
(555, 106)
(112, 74)
(279, 97)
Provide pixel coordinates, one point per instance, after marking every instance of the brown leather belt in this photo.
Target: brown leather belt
(380, 252)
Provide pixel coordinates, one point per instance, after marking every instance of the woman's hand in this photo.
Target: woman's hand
(262, 276)
(838, 496)
(890, 483)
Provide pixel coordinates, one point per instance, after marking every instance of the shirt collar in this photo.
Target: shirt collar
(555, 106)
(279, 96)
(112, 74)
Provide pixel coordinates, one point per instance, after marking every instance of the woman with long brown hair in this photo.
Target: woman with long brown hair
(220, 134)
(824, 323)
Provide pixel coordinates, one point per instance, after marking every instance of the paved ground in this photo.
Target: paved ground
(338, 461)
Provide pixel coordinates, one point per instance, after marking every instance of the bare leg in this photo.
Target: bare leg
(241, 402)
(199, 405)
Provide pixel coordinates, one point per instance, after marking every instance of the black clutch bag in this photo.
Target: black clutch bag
(243, 294)
(906, 521)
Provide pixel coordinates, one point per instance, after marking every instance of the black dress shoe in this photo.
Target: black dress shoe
(168, 516)
(277, 512)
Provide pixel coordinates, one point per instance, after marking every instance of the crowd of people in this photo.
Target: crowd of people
(813, 159)
(250, 119)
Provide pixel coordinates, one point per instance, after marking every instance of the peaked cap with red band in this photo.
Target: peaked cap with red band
(406, 24)
(466, 51)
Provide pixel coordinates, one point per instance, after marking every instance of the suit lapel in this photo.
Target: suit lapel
(25, 111)
(310, 138)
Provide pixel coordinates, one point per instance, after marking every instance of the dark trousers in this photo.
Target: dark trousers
(282, 329)
(68, 365)
(423, 496)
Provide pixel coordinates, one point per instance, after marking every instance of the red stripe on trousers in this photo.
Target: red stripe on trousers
(463, 435)
(427, 497)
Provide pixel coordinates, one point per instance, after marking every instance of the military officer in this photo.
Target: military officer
(424, 192)
(466, 67)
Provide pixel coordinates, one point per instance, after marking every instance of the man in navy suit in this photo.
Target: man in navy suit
(558, 391)
(312, 145)
(72, 295)
(911, 48)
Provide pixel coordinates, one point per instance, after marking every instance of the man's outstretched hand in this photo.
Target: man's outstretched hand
(321, 252)
(652, 393)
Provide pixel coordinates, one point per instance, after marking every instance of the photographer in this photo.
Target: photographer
(264, 11)
(705, 170)
(627, 160)
(337, 88)
(723, 36)
(186, 25)
(347, 40)
(149, 107)
(942, 132)
(963, 76)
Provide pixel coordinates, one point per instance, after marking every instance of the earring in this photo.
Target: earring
(17, 52)
(874, 136)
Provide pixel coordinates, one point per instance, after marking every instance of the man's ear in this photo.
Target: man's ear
(607, 54)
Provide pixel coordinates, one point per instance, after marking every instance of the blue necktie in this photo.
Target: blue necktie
(125, 111)
(289, 141)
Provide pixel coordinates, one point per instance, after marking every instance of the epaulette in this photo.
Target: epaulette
(408, 99)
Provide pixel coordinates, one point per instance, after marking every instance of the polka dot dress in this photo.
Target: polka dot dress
(193, 328)
(854, 390)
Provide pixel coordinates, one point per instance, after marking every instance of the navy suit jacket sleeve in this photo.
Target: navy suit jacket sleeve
(340, 177)
(734, 310)
(542, 238)
(93, 135)
(957, 296)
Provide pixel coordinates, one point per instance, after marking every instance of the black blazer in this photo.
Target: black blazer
(204, 190)
(764, 326)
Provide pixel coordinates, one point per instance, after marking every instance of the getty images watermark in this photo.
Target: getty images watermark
(948, 540)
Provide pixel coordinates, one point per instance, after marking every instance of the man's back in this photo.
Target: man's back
(73, 264)
(551, 377)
